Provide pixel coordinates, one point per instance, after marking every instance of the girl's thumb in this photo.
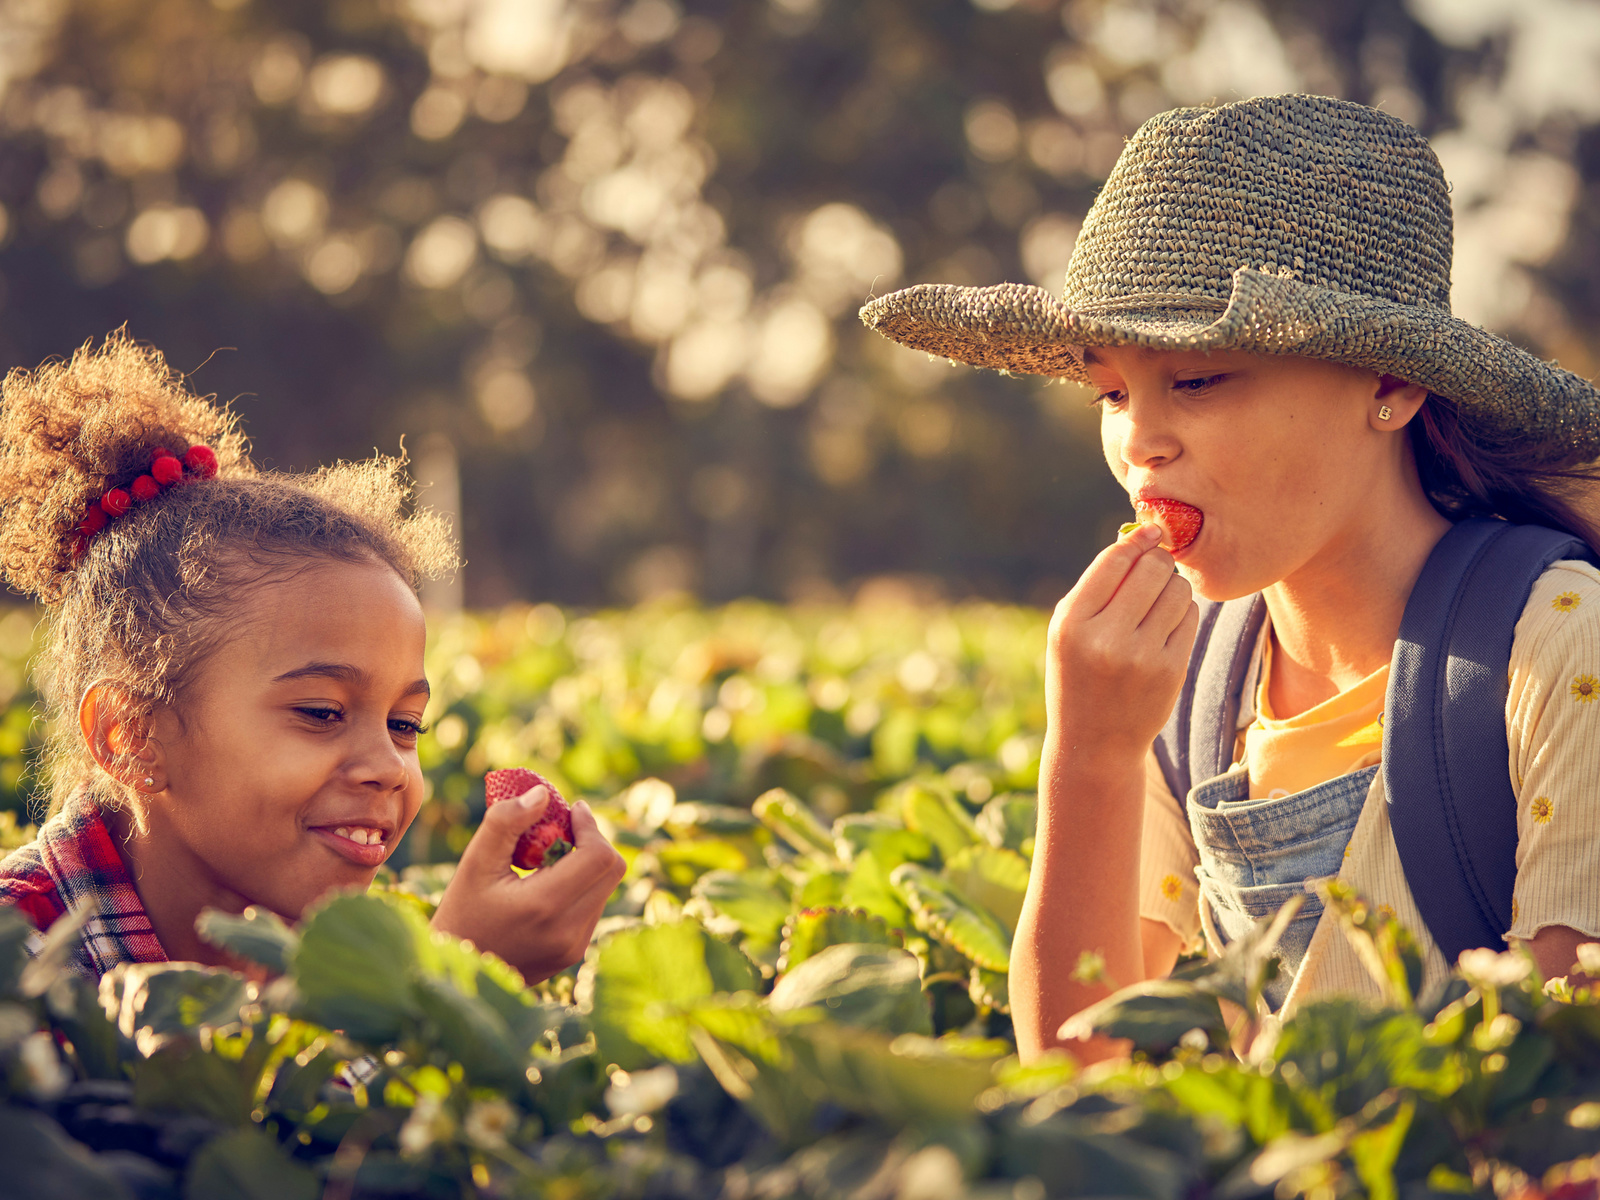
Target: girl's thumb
(492, 846)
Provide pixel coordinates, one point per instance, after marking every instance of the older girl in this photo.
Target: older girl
(1260, 300)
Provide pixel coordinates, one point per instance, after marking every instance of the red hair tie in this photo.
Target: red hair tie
(166, 470)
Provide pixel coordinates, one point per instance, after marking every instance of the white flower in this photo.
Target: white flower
(428, 1123)
(634, 1093)
(1589, 958)
(488, 1122)
(1486, 968)
(47, 1076)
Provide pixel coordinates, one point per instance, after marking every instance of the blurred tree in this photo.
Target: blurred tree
(612, 251)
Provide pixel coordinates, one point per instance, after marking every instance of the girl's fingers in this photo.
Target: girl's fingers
(1141, 588)
(1110, 567)
(492, 845)
(1183, 636)
(1169, 608)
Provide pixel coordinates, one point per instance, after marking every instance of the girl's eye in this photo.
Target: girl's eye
(1109, 399)
(323, 716)
(407, 728)
(1193, 386)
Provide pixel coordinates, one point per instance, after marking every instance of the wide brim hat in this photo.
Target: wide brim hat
(1301, 225)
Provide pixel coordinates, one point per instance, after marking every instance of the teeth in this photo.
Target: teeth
(359, 834)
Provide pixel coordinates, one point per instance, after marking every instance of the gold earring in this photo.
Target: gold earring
(1385, 413)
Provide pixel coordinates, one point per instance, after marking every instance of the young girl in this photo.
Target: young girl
(233, 675)
(1260, 300)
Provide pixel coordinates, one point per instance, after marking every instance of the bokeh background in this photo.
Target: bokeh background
(598, 261)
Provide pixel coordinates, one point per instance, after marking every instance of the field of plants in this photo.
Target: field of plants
(800, 989)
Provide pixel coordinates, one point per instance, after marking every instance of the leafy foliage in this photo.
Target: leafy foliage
(800, 988)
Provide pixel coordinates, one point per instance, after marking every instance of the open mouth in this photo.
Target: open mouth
(365, 845)
(1180, 523)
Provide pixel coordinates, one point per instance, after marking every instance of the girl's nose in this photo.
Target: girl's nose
(377, 762)
(1146, 438)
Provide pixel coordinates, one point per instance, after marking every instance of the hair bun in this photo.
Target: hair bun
(108, 424)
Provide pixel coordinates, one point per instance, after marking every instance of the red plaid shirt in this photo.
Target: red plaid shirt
(72, 864)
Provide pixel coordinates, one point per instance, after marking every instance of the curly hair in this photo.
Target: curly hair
(149, 597)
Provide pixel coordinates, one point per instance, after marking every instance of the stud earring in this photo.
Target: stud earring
(1385, 413)
(149, 781)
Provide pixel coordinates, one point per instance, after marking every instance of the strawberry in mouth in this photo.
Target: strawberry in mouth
(1180, 523)
(551, 837)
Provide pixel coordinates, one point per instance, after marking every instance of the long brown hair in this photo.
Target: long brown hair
(1464, 476)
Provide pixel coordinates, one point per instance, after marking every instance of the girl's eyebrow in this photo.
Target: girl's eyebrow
(345, 673)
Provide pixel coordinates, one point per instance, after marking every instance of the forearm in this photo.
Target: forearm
(1083, 891)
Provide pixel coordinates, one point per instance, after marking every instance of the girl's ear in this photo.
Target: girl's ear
(117, 735)
(1394, 402)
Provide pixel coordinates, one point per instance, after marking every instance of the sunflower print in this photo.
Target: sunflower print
(1542, 810)
(1585, 688)
(1566, 602)
(1172, 887)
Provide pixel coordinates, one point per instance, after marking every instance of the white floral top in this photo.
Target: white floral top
(1553, 727)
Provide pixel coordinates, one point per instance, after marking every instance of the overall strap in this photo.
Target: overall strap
(1197, 743)
(1446, 755)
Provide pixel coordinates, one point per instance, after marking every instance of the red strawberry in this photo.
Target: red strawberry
(552, 836)
(1180, 523)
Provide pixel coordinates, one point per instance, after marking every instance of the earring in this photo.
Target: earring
(149, 781)
(1385, 413)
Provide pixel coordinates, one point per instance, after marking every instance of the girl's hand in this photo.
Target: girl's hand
(540, 923)
(1118, 650)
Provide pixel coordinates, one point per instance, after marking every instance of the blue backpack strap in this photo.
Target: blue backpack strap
(1198, 741)
(1452, 806)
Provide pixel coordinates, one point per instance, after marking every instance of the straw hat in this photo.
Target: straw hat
(1285, 225)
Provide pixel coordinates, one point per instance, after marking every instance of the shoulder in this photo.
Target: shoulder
(26, 883)
(1562, 615)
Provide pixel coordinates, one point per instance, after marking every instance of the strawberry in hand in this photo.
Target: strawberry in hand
(551, 837)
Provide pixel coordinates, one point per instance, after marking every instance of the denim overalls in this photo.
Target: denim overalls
(1257, 854)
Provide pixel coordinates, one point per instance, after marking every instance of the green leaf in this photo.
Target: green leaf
(869, 888)
(1076, 1156)
(716, 820)
(685, 862)
(911, 1078)
(931, 809)
(43, 1163)
(792, 820)
(255, 935)
(15, 930)
(98, 1046)
(993, 877)
(471, 1033)
(1009, 820)
(638, 984)
(354, 967)
(740, 1045)
(1153, 1015)
(990, 989)
(885, 836)
(172, 997)
(752, 899)
(815, 929)
(181, 1077)
(943, 912)
(1374, 1151)
(874, 986)
(248, 1165)
(297, 1089)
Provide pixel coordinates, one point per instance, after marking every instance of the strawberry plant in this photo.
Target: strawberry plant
(799, 989)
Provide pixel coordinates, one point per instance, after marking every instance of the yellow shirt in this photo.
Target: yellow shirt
(1340, 735)
(1553, 731)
